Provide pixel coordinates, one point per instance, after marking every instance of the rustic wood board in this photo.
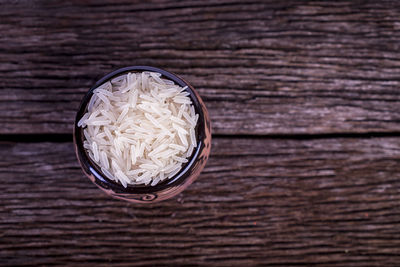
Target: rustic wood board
(331, 202)
(262, 67)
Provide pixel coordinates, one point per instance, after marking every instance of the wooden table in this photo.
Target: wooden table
(304, 100)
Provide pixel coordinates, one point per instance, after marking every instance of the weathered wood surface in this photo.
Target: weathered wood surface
(331, 202)
(263, 67)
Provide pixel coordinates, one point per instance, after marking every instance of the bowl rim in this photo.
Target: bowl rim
(101, 179)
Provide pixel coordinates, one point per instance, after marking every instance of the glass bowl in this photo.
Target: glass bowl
(167, 188)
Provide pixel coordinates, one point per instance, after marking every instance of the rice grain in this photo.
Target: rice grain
(139, 128)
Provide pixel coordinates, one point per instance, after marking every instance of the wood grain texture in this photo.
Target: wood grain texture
(262, 67)
(327, 202)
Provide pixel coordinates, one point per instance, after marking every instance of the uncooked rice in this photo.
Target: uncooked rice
(139, 128)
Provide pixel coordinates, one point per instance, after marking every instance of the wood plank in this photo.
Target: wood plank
(263, 67)
(259, 201)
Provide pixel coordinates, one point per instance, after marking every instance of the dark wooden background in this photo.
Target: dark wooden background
(304, 100)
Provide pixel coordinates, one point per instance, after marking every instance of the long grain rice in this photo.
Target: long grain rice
(139, 128)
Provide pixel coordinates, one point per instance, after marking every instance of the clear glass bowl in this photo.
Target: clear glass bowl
(163, 190)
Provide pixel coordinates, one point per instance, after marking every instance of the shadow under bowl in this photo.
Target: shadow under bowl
(167, 188)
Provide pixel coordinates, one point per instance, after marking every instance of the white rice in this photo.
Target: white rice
(140, 128)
